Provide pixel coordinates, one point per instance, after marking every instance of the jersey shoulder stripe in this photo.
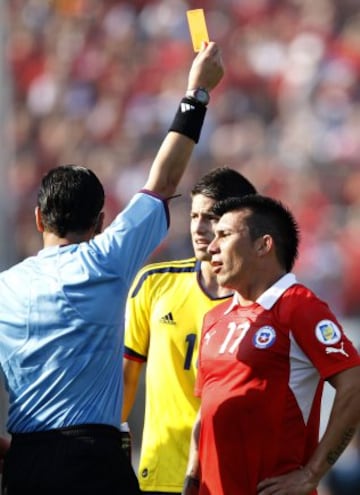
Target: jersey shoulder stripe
(134, 356)
(189, 265)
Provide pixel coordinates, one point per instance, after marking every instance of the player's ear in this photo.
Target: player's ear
(264, 244)
(38, 220)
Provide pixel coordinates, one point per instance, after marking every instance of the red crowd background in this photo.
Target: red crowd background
(97, 83)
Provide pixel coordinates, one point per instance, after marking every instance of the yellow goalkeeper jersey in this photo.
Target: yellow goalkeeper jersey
(165, 309)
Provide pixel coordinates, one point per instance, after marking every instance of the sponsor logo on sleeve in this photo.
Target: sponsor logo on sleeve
(265, 337)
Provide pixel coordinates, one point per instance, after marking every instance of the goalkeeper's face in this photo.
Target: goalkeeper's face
(202, 225)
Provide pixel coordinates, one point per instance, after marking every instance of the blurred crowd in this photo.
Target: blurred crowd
(97, 83)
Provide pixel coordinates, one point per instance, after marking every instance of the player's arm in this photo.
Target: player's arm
(171, 160)
(131, 373)
(4, 445)
(343, 421)
(192, 478)
(136, 338)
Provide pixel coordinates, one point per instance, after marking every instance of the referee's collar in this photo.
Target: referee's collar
(271, 295)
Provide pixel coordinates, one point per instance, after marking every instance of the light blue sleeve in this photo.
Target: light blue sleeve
(135, 233)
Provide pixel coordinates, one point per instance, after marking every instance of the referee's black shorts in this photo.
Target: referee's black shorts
(78, 460)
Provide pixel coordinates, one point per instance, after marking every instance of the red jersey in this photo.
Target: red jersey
(261, 374)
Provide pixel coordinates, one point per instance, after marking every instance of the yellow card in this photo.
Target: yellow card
(197, 27)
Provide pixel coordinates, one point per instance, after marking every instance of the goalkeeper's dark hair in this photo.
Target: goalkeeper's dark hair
(268, 216)
(70, 199)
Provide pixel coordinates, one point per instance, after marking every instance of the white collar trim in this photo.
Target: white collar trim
(271, 295)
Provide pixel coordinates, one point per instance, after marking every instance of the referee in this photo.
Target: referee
(62, 312)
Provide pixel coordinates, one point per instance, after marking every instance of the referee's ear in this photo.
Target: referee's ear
(38, 220)
(99, 223)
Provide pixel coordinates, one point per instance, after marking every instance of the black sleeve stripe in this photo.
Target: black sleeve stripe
(130, 354)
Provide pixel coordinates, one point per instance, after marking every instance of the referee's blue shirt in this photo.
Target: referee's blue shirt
(61, 322)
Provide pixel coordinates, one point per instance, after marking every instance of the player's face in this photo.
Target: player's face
(233, 253)
(202, 225)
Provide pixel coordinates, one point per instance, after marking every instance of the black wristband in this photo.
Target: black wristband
(189, 119)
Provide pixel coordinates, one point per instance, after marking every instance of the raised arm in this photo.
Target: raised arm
(171, 160)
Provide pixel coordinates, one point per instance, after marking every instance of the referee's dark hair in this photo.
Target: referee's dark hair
(70, 199)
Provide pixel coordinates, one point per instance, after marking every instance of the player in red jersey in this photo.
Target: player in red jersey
(263, 361)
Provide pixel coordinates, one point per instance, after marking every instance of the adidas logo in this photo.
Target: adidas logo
(168, 319)
(186, 107)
